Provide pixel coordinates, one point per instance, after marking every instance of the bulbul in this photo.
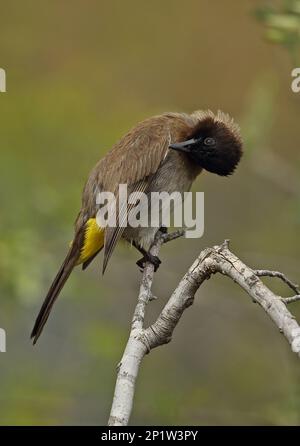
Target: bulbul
(162, 153)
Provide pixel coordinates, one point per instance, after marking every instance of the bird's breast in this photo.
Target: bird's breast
(174, 177)
(176, 174)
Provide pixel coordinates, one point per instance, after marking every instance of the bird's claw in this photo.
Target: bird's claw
(149, 258)
(163, 229)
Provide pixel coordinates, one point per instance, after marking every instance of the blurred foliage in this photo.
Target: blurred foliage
(259, 119)
(78, 76)
(283, 25)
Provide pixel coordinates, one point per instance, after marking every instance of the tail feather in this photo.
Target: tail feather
(57, 285)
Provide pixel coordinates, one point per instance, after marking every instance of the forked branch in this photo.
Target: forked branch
(218, 259)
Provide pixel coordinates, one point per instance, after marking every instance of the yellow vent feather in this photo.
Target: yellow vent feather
(93, 240)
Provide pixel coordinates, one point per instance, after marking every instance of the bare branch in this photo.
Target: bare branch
(136, 346)
(172, 235)
(218, 259)
(290, 300)
(145, 294)
(267, 273)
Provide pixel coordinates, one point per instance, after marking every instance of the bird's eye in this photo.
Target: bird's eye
(209, 142)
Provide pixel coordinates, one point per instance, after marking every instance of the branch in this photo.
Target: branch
(267, 273)
(136, 346)
(218, 259)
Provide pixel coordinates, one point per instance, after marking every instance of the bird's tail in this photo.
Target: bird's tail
(56, 287)
(87, 242)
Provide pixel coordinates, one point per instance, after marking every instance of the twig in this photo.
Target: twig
(290, 300)
(267, 273)
(172, 235)
(218, 259)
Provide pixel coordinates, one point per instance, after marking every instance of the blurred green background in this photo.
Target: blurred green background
(79, 75)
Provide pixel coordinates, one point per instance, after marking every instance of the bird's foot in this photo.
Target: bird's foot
(148, 257)
(163, 229)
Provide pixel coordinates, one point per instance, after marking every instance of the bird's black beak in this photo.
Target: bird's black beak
(185, 146)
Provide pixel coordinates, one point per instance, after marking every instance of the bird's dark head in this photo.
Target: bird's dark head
(214, 143)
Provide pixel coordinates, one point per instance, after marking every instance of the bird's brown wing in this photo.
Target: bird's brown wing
(133, 161)
(113, 234)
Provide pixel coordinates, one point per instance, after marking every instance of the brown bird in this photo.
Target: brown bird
(142, 159)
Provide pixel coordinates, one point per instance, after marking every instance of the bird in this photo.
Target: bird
(162, 153)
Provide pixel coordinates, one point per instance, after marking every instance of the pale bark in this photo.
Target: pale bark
(218, 259)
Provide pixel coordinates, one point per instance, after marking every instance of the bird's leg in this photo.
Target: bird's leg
(147, 257)
(163, 229)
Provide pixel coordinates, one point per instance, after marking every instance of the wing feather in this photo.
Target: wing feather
(143, 150)
(133, 161)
